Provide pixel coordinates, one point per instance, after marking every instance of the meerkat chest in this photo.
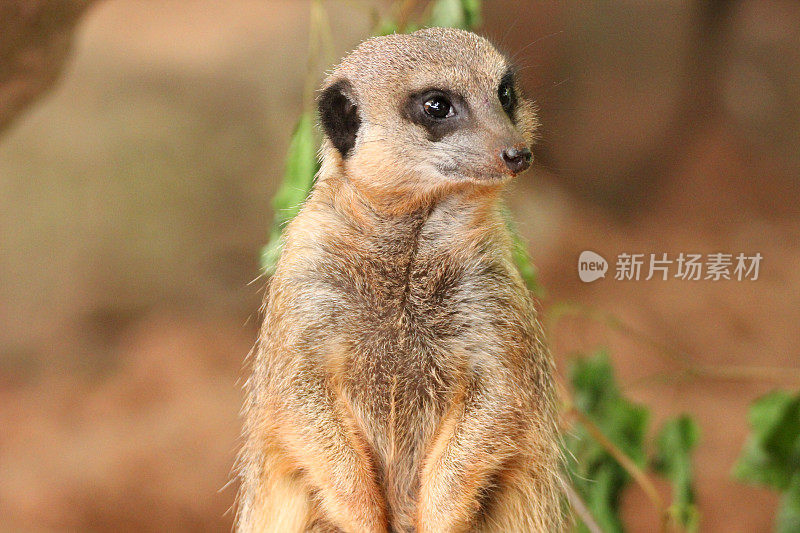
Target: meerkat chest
(404, 321)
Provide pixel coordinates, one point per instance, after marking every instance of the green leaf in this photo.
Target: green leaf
(472, 13)
(788, 520)
(301, 167)
(521, 257)
(771, 455)
(386, 26)
(448, 14)
(272, 252)
(594, 472)
(525, 266)
(593, 383)
(464, 14)
(674, 445)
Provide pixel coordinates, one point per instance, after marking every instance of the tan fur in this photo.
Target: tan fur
(400, 382)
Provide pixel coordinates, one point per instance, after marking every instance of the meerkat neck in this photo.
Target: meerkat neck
(461, 224)
(465, 208)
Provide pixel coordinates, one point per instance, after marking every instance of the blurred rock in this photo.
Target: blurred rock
(761, 89)
(35, 40)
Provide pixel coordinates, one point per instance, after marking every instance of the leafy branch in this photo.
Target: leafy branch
(771, 456)
(607, 449)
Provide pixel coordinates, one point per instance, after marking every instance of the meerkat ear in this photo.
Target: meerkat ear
(339, 116)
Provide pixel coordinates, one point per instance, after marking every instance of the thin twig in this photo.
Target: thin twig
(320, 48)
(745, 372)
(404, 14)
(326, 35)
(624, 461)
(313, 54)
(579, 507)
(689, 370)
(726, 373)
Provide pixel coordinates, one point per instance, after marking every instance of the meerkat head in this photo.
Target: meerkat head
(410, 116)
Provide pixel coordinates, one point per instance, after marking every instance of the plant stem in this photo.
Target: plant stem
(579, 507)
(558, 311)
(625, 462)
(404, 14)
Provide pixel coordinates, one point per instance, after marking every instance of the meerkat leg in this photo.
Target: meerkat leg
(273, 496)
(326, 445)
(526, 496)
(475, 441)
(280, 504)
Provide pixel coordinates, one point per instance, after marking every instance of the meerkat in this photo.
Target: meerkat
(400, 381)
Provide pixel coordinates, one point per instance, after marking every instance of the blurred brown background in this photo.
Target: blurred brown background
(134, 199)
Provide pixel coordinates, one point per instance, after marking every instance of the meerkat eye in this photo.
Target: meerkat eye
(507, 97)
(438, 107)
(438, 112)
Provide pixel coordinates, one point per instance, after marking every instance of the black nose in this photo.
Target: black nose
(517, 159)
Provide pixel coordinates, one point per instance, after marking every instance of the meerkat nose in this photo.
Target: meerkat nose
(517, 159)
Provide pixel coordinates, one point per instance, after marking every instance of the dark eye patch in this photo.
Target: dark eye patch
(413, 109)
(507, 94)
